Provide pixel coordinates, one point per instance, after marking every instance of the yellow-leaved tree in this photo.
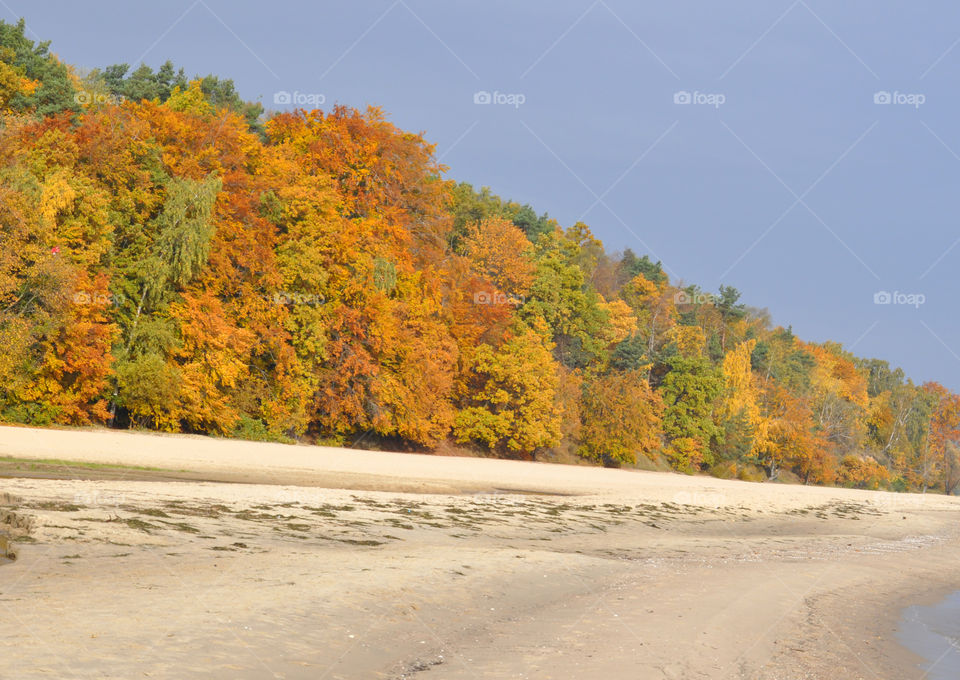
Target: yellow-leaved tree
(511, 405)
(620, 417)
(739, 401)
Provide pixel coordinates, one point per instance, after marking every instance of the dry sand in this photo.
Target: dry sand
(348, 564)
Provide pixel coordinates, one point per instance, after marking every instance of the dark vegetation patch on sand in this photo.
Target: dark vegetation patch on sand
(369, 522)
(53, 468)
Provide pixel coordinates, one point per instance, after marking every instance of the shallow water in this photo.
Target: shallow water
(933, 632)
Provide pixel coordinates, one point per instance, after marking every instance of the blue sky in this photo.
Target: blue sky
(815, 165)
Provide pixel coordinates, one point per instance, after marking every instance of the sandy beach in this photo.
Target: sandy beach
(328, 563)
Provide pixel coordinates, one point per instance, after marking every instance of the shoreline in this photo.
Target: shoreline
(626, 575)
(921, 632)
(883, 623)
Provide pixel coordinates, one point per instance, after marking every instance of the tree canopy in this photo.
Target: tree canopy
(173, 260)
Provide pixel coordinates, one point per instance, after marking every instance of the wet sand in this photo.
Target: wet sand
(933, 632)
(627, 575)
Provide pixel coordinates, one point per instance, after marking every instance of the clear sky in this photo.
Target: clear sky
(804, 151)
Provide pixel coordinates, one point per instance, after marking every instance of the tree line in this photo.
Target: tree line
(173, 258)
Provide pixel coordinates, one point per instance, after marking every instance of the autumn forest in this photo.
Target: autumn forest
(174, 258)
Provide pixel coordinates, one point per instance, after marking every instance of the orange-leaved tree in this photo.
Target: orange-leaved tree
(620, 418)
